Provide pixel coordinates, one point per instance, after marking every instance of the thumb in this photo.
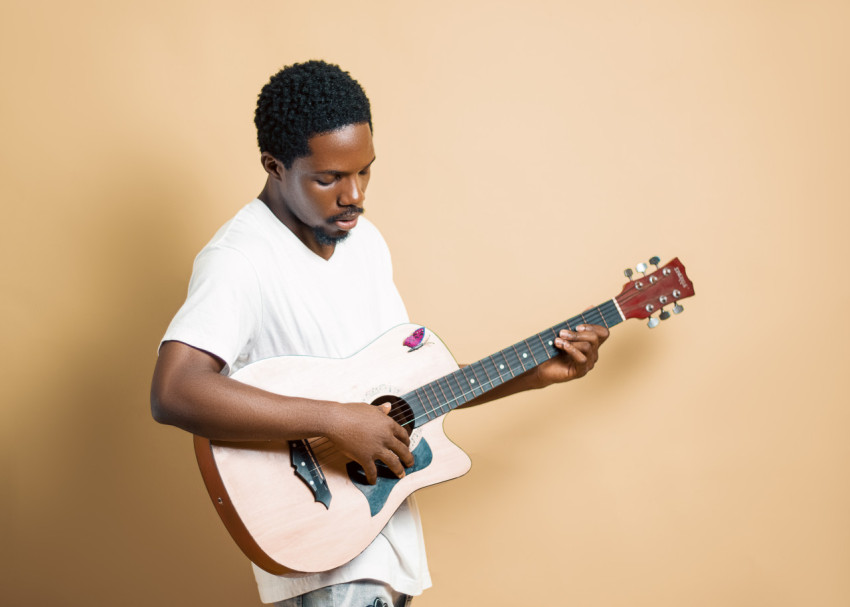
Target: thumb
(384, 408)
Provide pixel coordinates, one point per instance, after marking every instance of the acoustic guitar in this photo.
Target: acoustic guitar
(297, 507)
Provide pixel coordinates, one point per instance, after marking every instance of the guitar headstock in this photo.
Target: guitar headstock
(642, 296)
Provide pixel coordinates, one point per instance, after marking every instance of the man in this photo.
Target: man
(300, 271)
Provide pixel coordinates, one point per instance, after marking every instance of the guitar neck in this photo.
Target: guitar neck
(442, 395)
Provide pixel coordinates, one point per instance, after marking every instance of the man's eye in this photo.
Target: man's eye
(326, 182)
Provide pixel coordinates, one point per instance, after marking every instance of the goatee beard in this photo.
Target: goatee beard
(325, 239)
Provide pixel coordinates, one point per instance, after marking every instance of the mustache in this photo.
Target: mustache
(349, 214)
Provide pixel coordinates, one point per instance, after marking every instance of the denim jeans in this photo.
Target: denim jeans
(363, 593)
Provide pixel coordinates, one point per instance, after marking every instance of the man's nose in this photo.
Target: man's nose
(354, 193)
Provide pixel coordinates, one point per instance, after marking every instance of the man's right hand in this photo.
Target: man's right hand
(366, 433)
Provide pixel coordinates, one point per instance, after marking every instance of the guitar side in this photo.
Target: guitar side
(270, 512)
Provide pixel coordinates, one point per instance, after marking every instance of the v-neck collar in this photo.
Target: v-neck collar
(295, 243)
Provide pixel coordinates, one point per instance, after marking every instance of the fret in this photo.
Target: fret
(444, 398)
(472, 381)
(523, 360)
(462, 393)
(496, 372)
(429, 406)
(546, 351)
(505, 366)
(542, 347)
(451, 397)
(454, 396)
(513, 360)
(611, 315)
(420, 410)
(593, 317)
(438, 402)
(530, 352)
(489, 382)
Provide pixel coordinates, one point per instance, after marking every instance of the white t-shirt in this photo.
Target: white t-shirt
(256, 292)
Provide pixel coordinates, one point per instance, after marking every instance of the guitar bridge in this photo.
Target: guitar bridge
(308, 469)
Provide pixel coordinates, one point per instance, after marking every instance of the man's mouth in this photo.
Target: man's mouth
(346, 221)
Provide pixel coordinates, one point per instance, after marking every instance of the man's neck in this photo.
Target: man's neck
(302, 232)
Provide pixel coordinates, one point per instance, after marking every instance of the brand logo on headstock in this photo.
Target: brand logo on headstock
(682, 280)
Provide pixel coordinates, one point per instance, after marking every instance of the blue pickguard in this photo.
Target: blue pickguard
(378, 493)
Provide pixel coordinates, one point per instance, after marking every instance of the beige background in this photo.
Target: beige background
(528, 152)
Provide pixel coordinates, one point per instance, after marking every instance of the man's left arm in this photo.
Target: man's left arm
(579, 353)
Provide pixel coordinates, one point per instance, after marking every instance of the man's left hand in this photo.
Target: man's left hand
(579, 353)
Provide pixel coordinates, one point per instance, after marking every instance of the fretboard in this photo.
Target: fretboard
(442, 395)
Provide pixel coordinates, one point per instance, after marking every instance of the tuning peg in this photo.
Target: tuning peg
(652, 322)
(655, 260)
(678, 309)
(641, 267)
(664, 315)
(628, 272)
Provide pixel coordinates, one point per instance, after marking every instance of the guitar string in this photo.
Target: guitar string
(398, 417)
(330, 453)
(317, 443)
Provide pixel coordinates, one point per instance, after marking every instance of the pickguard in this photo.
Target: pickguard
(378, 493)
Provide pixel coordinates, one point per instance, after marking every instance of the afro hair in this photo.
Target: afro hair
(303, 100)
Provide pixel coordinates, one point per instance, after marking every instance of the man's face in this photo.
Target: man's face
(324, 192)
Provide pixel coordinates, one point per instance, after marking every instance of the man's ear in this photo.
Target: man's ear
(272, 166)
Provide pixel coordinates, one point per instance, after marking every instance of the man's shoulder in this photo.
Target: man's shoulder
(253, 231)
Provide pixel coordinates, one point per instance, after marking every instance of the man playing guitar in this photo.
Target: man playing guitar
(300, 271)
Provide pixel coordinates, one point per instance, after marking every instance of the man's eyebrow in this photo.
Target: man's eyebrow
(334, 172)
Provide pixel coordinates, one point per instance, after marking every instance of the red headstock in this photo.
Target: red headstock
(649, 293)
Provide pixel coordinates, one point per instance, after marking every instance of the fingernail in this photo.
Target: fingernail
(567, 334)
(559, 342)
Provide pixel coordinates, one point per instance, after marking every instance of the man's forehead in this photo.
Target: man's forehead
(347, 148)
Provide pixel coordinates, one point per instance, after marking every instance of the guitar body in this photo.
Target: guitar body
(272, 513)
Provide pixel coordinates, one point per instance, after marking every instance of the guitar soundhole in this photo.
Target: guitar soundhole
(399, 411)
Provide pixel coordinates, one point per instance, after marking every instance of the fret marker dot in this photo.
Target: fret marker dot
(472, 381)
(550, 342)
(525, 355)
(501, 366)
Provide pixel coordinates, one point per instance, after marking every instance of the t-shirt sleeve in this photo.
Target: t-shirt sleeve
(223, 309)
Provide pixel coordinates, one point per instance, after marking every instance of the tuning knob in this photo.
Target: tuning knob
(641, 267)
(628, 272)
(655, 260)
(664, 315)
(677, 309)
(652, 322)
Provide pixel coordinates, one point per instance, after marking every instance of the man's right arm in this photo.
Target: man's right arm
(188, 391)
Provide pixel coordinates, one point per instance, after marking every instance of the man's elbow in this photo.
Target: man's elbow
(166, 403)
(160, 410)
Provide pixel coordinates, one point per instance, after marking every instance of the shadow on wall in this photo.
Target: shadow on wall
(107, 503)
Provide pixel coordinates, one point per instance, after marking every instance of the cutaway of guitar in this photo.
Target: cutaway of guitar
(301, 507)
